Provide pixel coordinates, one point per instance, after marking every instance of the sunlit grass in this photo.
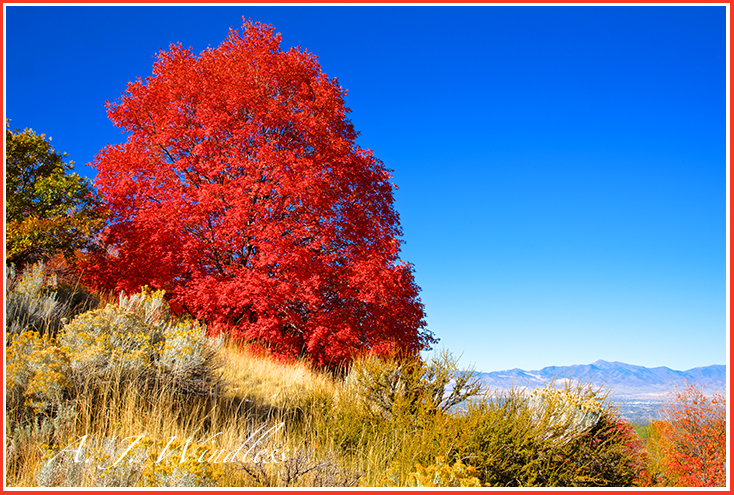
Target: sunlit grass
(192, 418)
(266, 381)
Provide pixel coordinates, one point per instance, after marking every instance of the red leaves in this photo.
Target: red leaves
(692, 442)
(241, 191)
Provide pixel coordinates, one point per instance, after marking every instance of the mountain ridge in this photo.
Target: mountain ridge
(620, 379)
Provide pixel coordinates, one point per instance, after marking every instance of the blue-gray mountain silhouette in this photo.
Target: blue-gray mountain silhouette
(619, 379)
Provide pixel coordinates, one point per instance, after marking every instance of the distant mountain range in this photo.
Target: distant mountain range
(620, 379)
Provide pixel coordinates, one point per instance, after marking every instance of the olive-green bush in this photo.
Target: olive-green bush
(552, 437)
(385, 387)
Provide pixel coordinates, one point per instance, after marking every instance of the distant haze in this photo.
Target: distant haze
(619, 379)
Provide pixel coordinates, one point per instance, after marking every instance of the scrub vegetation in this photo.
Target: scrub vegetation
(226, 306)
(151, 400)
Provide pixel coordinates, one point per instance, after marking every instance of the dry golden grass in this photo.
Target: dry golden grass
(319, 431)
(260, 394)
(262, 379)
(317, 421)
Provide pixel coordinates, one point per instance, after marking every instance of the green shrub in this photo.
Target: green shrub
(397, 413)
(567, 437)
(375, 384)
(151, 307)
(500, 440)
(388, 386)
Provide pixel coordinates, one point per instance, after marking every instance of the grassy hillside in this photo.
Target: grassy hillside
(120, 393)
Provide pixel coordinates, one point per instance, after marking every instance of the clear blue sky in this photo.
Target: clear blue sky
(561, 170)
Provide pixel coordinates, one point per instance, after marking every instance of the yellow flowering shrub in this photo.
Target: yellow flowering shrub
(138, 339)
(107, 342)
(37, 372)
(148, 305)
(178, 462)
(441, 474)
(136, 461)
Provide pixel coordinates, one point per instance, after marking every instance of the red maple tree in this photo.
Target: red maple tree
(241, 191)
(691, 442)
